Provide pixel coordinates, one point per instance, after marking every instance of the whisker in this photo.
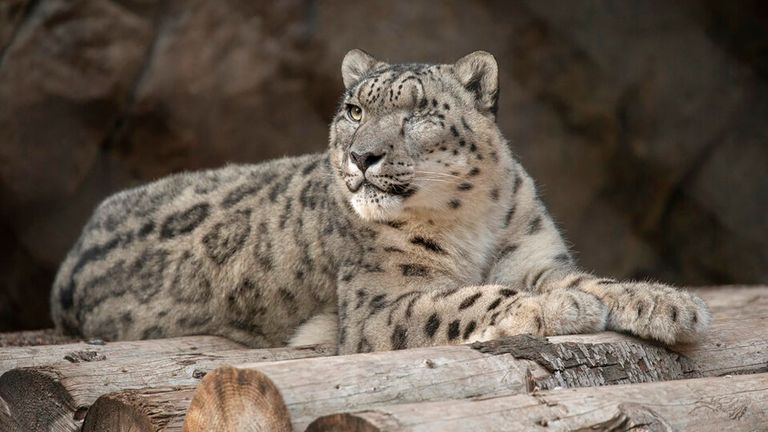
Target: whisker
(436, 180)
(438, 173)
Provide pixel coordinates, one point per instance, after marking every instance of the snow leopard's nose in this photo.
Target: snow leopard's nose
(365, 160)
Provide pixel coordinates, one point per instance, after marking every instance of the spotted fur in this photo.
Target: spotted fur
(417, 227)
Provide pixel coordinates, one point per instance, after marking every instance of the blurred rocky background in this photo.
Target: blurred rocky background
(644, 122)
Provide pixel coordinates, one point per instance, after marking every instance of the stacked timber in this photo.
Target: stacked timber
(53, 387)
(577, 382)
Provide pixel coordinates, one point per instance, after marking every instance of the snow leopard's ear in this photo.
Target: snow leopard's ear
(355, 65)
(478, 72)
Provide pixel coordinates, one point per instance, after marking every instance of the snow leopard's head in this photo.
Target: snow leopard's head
(410, 138)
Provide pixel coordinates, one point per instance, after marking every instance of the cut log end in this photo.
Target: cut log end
(113, 413)
(347, 422)
(231, 399)
(21, 390)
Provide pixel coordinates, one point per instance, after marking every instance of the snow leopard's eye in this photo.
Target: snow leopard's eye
(354, 113)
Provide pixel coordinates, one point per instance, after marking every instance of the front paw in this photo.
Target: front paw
(549, 314)
(659, 312)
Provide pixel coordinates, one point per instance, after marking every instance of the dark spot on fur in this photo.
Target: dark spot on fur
(427, 244)
(396, 224)
(469, 329)
(248, 189)
(361, 295)
(508, 250)
(378, 302)
(393, 249)
(289, 300)
(146, 229)
(184, 222)
(227, 237)
(518, 183)
(399, 338)
(454, 203)
(464, 123)
(469, 301)
(146, 274)
(673, 314)
(506, 292)
(534, 226)
(454, 131)
(433, 323)
(414, 270)
(563, 258)
(94, 253)
(263, 247)
(494, 305)
(310, 167)
(280, 187)
(453, 330)
(494, 194)
(465, 186)
(508, 216)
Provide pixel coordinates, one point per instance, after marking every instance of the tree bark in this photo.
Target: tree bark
(58, 396)
(704, 404)
(736, 343)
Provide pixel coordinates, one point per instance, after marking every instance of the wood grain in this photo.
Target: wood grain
(703, 405)
(26, 356)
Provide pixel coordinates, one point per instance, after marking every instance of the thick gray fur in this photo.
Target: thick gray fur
(442, 240)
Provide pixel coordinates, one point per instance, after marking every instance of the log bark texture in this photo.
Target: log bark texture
(704, 405)
(57, 397)
(97, 350)
(737, 343)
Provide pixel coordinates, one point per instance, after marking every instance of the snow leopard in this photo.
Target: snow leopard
(417, 227)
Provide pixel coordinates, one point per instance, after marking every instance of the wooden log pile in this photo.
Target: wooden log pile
(601, 381)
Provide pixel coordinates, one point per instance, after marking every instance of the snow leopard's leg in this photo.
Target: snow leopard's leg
(416, 307)
(536, 259)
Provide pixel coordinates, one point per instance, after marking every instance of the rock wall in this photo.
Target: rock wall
(643, 122)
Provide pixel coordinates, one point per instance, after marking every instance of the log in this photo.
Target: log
(150, 409)
(244, 414)
(34, 337)
(96, 350)
(737, 343)
(58, 396)
(704, 404)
